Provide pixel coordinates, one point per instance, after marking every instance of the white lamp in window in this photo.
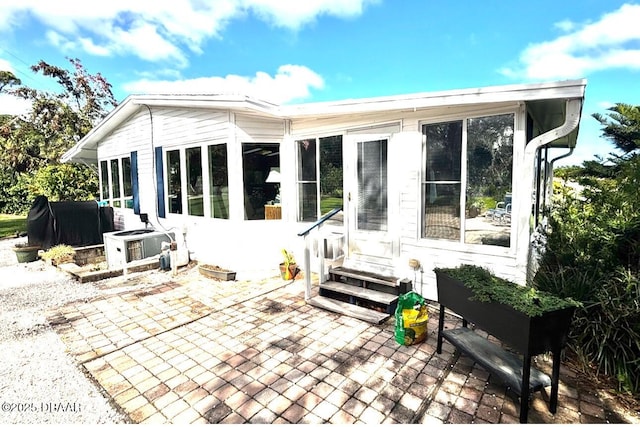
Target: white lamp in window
(274, 178)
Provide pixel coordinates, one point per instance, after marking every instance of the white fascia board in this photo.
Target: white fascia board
(493, 94)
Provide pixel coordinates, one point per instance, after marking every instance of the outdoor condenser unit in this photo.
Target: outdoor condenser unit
(122, 247)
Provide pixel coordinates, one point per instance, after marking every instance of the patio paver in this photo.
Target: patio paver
(188, 349)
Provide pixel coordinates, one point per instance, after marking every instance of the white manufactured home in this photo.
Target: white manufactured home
(440, 178)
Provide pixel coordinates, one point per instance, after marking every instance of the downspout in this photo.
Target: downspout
(551, 163)
(571, 121)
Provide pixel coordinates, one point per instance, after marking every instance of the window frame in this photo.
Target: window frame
(205, 173)
(464, 118)
(120, 200)
(318, 169)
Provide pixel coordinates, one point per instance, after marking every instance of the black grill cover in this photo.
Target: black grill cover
(69, 223)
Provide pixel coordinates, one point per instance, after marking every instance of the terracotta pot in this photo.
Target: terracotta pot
(291, 274)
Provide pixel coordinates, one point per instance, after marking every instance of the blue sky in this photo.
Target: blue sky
(291, 51)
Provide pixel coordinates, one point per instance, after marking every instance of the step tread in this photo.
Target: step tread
(357, 291)
(350, 310)
(364, 275)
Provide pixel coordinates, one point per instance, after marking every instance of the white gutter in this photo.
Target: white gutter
(571, 121)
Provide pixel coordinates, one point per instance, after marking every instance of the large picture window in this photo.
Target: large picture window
(261, 173)
(218, 181)
(472, 204)
(319, 177)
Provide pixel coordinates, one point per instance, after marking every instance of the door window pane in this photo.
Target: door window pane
(372, 185)
(331, 181)
(441, 182)
(195, 203)
(218, 181)
(307, 180)
(489, 176)
(174, 190)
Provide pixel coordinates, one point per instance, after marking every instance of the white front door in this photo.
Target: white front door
(368, 204)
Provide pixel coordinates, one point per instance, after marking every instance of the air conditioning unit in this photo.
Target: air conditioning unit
(122, 247)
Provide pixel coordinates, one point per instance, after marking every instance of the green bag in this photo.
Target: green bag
(411, 319)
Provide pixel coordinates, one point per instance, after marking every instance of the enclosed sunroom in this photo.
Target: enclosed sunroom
(443, 178)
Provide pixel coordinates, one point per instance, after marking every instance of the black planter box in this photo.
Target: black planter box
(525, 334)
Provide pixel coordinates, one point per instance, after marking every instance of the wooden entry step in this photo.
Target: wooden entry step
(350, 310)
(360, 294)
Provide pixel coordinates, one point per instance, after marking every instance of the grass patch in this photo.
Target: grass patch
(12, 224)
(329, 203)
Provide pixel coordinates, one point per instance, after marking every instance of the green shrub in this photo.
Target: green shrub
(593, 256)
(59, 254)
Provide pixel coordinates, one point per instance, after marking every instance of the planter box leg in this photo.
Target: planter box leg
(440, 328)
(524, 392)
(555, 377)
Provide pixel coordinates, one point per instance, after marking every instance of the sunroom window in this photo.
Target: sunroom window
(472, 204)
(195, 202)
(116, 182)
(174, 190)
(127, 186)
(319, 177)
(261, 173)
(218, 181)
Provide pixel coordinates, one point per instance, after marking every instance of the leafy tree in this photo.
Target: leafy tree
(7, 79)
(55, 122)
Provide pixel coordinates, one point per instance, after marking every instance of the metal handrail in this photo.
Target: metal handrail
(319, 222)
(307, 250)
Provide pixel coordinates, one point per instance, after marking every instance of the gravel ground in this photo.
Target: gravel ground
(39, 381)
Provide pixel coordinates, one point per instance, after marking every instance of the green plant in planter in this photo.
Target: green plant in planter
(486, 287)
(59, 254)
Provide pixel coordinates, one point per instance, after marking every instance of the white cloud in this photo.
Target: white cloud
(291, 82)
(160, 29)
(565, 25)
(13, 105)
(587, 48)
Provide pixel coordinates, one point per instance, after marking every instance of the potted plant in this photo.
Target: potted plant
(59, 254)
(25, 252)
(216, 272)
(288, 269)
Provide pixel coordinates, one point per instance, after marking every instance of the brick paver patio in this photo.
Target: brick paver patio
(188, 349)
